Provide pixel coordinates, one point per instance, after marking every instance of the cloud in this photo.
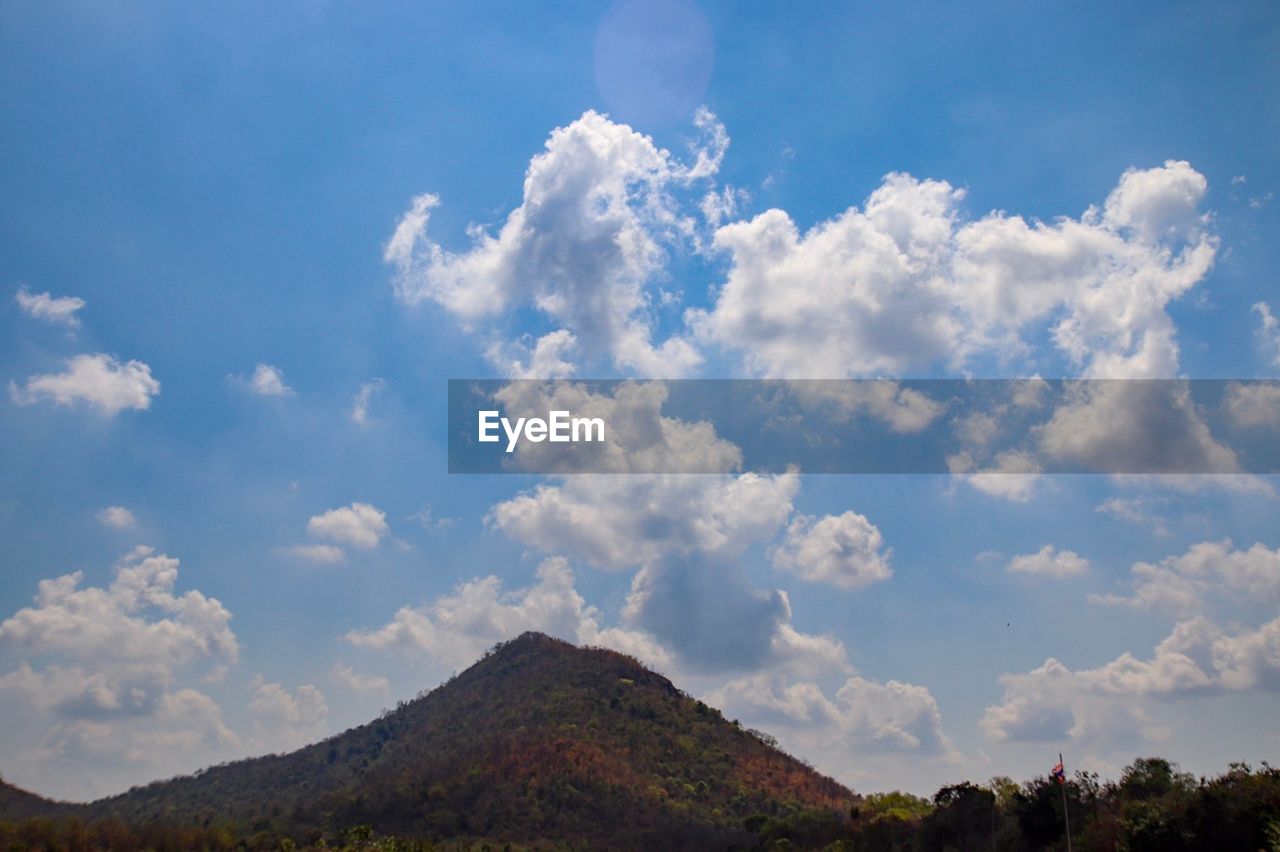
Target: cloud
(349, 678)
(455, 629)
(117, 517)
(1054, 703)
(903, 410)
(1254, 405)
(1050, 562)
(639, 440)
(59, 311)
(105, 665)
(628, 521)
(283, 720)
(547, 359)
(426, 518)
(360, 403)
(1207, 570)
(1013, 475)
(864, 717)
(1144, 511)
(584, 248)
(841, 550)
(96, 380)
(1268, 333)
(325, 554)
(268, 381)
(113, 624)
(1147, 427)
(905, 284)
(360, 525)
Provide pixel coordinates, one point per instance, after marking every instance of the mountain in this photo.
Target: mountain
(539, 742)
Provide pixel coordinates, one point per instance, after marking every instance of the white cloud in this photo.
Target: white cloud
(1054, 703)
(355, 681)
(284, 720)
(1144, 511)
(903, 410)
(360, 525)
(903, 284)
(109, 677)
(628, 521)
(97, 380)
(1207, 570)
(95, 624)
(1268, 333)
(117, 517)
(547, 359)
(1254, 405)
(1136, 426)
(585, 247)
(268, 381)
(864, 717)
(1050, 562)
(456, 629)
(325, 554)
(59, 310)
(843, 550)
(360, 403)
(1013, 475)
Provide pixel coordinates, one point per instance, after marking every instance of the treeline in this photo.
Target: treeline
(1152, 807)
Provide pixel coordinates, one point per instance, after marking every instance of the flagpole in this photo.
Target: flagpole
(1066, 817)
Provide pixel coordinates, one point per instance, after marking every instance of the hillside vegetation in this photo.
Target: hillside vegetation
(538, 743)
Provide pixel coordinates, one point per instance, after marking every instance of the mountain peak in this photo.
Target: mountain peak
(538, 741)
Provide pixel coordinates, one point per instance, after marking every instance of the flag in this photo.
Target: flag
(1060, 773)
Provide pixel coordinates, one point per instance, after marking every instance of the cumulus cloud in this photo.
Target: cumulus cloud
(905, 284)
(842, 550)
(457, 628)
(268, 381)
(114, 623)
(350, 679)
(117, 517)
(1210, 569)
(1253, 405)
(97, 380)
(903, 410)
(1048, 561)
(548, 358)
(1012, 475)
(110, 663)
(60, 310)
(629, 521)
(285, 720)
(585, 248)
(359, 525)
(1134, 426)
(863, 717)
(1053, 702)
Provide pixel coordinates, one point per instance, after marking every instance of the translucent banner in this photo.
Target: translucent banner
(981, 427)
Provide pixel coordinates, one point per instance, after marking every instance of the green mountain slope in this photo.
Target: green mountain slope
(539, 742)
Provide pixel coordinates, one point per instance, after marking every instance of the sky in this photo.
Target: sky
(244, 249)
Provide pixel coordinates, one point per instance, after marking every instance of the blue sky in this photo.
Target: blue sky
(224, 189)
